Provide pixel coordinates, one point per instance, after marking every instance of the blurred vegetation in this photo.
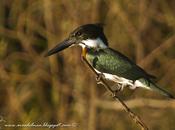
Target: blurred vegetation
(61, 88)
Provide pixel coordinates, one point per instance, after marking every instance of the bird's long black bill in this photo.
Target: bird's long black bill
(63, 45)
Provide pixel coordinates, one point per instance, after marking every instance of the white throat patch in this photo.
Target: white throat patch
(93, 43)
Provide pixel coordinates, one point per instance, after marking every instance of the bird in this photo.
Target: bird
(112, 64)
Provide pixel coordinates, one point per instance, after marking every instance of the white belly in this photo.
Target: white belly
(123, 81)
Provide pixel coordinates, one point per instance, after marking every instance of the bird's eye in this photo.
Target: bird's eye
(78, 33)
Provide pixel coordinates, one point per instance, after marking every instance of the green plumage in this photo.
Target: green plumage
(112, 62)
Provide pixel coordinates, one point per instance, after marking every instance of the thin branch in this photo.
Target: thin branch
(159, 50)
(134, 117)
(132, 31)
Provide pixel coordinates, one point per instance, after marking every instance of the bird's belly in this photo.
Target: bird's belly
(116, 78)
(123, 81)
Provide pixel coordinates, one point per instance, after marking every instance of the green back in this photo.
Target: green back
(113, 62)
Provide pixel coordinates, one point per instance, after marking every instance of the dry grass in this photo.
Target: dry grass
(60, 88)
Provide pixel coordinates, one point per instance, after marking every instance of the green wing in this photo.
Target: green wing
(113, 62)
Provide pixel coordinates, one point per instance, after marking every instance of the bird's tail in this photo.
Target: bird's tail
(152, 86)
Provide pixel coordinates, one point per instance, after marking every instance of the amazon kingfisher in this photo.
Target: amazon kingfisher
(113, 65)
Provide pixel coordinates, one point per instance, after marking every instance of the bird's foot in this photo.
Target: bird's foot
(98, 78)
(116, 89)
(119, 87)
(114, 94)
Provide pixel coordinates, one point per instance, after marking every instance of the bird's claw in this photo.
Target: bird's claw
(114, 94)
(99, 82)
(119, 88)
(98, 77)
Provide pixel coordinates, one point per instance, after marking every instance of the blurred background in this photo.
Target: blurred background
(61, 88)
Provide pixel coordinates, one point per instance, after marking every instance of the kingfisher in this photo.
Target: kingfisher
(113, 65)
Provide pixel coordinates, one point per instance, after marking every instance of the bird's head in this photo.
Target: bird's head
(86, 36)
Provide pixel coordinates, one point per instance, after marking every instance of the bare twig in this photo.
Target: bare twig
(159, 50)
(136, 118)
(132, 31)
